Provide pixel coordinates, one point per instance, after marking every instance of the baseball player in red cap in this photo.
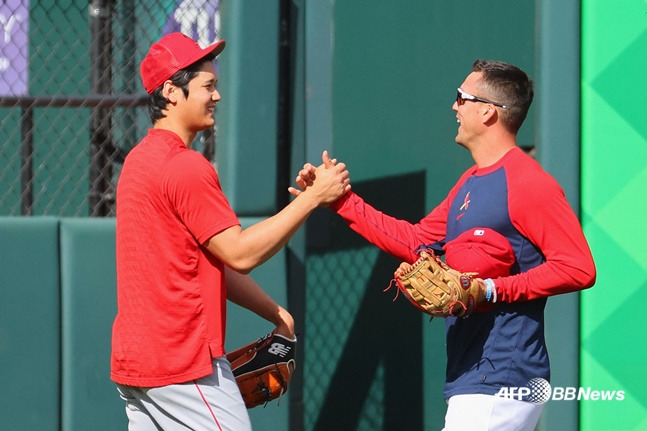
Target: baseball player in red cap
(507, 220)
(181, 253)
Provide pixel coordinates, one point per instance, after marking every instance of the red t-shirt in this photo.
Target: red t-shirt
(171, 294)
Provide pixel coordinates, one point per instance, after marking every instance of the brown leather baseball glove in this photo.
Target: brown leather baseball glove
(436, 289)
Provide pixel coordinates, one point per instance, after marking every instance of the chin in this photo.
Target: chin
(460, 142)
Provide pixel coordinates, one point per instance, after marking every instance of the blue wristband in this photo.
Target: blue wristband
(490, 293)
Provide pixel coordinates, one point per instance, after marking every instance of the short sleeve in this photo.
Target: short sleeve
(192, 187)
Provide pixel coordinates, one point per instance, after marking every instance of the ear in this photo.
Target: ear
(489, 114)
(170, 91)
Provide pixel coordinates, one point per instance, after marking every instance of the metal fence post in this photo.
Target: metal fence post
(26, 161)
(101, 195)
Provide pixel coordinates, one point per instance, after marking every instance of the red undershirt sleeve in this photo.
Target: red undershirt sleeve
(544, 217)
(397, 237)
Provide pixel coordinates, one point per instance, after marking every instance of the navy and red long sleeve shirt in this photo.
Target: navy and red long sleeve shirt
(503, 346)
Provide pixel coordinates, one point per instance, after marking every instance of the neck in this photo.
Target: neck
(490, 151)
(187, 136)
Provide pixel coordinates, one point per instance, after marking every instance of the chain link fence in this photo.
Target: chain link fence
(333, 313)
(71, 101)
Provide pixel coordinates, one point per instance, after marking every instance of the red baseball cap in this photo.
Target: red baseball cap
(480, 250)
(171, 53)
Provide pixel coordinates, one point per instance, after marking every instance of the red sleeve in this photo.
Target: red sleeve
(193, 189)
(543, 215)
(399, 238)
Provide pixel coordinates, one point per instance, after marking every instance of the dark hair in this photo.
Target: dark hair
(508, 85)
(157, 102)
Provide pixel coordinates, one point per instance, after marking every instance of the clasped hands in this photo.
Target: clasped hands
(329, 181)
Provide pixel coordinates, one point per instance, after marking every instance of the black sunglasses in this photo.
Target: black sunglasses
(462, 97)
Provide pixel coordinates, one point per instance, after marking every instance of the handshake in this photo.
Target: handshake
(327, 182)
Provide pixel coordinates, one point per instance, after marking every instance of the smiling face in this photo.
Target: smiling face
(196, 111)
(469, 114)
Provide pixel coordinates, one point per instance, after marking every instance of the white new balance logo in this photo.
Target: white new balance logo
(279, 349)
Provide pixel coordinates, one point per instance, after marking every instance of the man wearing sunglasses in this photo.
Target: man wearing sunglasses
(507, 220)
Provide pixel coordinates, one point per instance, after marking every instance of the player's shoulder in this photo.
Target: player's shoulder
(528, 176)
(186, 168)
(186, 159)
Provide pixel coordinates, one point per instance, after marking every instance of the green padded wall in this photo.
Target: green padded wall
(614, 176)
(557, 99)
(246, 145)
(89, 304)
(29, 324)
